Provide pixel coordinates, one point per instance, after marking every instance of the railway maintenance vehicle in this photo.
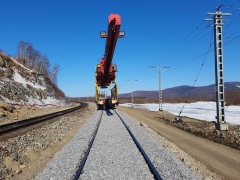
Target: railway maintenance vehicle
(105, 74)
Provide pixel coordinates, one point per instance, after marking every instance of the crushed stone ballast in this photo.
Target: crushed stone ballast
(114, 154)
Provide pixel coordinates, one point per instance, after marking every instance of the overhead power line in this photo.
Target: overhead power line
(178, 49)
(210, 45)
(193, 38)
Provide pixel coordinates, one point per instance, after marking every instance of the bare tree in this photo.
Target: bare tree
(24, 52)
(34, 59)
(45, 65)
(54, 73)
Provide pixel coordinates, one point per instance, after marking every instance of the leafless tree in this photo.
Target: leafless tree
(44, 65)
(22, 52)
(54, 73)
(34, 59)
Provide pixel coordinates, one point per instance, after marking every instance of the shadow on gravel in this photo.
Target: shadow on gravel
(108, 112)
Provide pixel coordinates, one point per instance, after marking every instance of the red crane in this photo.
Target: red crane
(105, 70)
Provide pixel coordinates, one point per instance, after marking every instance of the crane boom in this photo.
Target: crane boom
(113, 31)
(105, 73)
(105, 70)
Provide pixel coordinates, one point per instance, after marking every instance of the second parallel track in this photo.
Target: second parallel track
(10, 127)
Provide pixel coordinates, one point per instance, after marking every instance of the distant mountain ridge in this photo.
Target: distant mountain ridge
(183, 91)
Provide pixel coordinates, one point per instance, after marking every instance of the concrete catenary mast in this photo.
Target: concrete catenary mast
(219, 78)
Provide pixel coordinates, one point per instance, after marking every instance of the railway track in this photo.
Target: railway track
(104, 149)
(117, 117)
(15, 126)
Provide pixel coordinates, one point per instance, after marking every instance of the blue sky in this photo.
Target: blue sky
(158, 33)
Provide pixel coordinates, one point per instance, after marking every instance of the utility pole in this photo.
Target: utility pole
(132, 82)
(219, 80)
(159, 70)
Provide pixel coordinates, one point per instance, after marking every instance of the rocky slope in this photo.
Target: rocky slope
(21, 85)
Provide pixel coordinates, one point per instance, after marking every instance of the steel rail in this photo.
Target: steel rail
(148, 161)
(78, 173)
(146, 158)
(27, 122)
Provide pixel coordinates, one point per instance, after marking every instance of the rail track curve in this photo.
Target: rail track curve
(10, 127)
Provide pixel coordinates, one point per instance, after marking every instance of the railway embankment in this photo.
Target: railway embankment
(22, 157)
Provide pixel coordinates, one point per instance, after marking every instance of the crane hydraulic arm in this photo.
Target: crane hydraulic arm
(105, 71)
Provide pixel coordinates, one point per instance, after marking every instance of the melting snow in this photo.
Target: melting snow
(199, 110)
(2, 69)
(49, 100)
(18, 78)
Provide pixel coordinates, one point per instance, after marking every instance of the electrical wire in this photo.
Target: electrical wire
(170, 52)
(237, 38)
(230, 6)
(233, 19)
(190, 45)
(226, 43)
(180, 47)
(186, 45)
(211, 42)
(185, 63)
(177, 50)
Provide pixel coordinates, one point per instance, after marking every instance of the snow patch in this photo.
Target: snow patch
(18, 78)
(49, 100)
(199, 110)
(3, 69)
(36, 102)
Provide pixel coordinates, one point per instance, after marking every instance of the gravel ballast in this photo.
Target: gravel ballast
(65, 162)
(114, 155)
(167, 165)
(23, 155)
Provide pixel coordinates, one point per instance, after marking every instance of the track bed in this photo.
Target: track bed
(114, 155)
